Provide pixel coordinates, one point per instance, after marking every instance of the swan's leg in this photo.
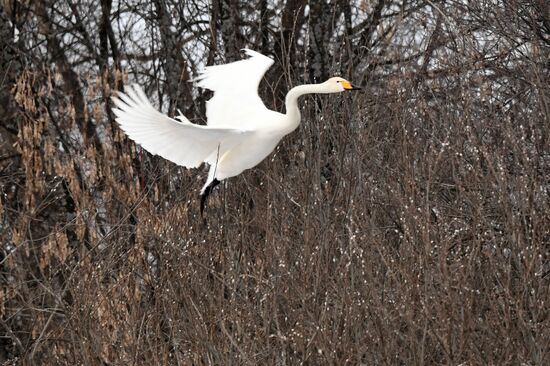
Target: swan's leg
(206, 193)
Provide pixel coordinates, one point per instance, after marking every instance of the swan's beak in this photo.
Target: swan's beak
(347, 85)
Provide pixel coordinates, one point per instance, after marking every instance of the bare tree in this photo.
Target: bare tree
(406, 224)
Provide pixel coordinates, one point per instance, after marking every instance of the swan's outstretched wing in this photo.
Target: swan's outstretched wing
(235, 102)
(182, 142)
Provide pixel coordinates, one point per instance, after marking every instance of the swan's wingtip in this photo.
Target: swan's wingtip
(252, 53)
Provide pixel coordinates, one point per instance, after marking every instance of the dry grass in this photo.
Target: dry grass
(405, 225)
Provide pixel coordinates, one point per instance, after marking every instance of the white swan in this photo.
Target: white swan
(240, 130)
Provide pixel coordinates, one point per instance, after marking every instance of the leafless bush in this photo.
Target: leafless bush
(409, 224)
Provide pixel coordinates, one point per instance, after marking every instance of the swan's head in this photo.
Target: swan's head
(337, 85)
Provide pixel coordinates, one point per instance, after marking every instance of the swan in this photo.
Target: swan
(240, 132)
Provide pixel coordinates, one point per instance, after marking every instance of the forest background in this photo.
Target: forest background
(407, 224)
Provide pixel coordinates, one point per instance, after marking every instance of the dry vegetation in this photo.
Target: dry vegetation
(405, 225)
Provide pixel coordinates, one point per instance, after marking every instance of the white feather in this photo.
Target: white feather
(183, 143)
(241, 131)
(236, 102)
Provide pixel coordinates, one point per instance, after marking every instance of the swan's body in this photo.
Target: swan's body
(240, 130)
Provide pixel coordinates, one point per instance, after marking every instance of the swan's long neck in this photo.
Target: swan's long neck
(291, 102)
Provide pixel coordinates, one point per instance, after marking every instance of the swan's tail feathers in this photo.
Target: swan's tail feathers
(206, 192)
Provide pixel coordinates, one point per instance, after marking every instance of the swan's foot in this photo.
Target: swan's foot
(206, 193)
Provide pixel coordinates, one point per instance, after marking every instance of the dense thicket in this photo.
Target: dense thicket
(408, 224)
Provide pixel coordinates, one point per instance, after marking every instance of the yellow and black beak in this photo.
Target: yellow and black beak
(347, 85)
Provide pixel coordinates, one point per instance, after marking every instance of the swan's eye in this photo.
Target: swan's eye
(337, 81)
